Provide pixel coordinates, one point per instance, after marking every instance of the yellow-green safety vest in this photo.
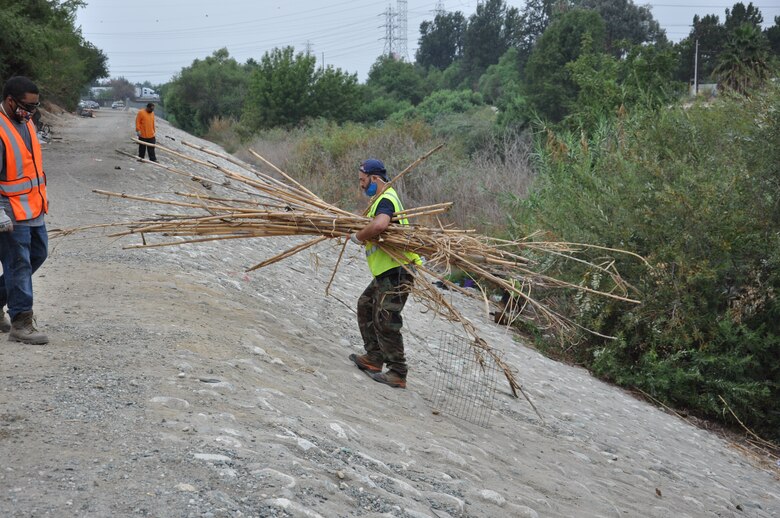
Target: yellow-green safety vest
(380, 261)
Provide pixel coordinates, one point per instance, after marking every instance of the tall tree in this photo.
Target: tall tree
(501, 79)
(744, 63)
(549, 85)
(441, 41)
(739, 15)
(285, 90)
(773, 36)
(208, 88)
(336, 94)
(280, 90)
(398, 79)
(534, 20)
(643, 76)
(492, 29)
(39, 39)
(624, 20)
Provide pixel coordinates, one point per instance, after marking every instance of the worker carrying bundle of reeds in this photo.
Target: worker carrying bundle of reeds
(379, 307)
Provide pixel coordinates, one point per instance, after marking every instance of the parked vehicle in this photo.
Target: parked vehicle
(143, 93)
(117, 105)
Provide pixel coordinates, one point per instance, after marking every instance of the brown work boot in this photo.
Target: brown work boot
(391, 378)
(5, 322)
(23, 330)
(364, 363)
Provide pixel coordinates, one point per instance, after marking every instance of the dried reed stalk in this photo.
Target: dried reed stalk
(267, 206)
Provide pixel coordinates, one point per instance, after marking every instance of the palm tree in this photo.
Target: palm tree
(744, 63)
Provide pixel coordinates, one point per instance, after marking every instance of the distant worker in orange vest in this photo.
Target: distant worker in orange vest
(23, 240)
(144, 128)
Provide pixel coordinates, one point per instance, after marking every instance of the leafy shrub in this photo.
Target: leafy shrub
(381, 108)
(446, 102)
(696, 192)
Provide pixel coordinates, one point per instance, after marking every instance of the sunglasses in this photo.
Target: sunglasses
(28, 107)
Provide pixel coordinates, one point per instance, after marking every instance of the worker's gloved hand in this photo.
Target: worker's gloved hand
(6, 225)
(355, 240)
(138, 134)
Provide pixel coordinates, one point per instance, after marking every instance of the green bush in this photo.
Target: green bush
(696, 192)
(381, 108)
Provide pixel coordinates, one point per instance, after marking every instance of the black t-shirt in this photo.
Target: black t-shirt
(385, 207)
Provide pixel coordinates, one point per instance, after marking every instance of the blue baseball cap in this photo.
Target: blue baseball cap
(374, 166)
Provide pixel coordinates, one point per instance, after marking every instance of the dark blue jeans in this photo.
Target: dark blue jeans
(22, 252)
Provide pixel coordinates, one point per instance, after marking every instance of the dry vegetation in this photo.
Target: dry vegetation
(325, 158)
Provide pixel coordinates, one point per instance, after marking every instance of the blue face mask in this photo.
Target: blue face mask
(371, 189)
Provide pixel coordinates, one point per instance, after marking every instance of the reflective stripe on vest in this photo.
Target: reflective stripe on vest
(26, 185)
(22, 181)
(14, 144)
(380, 261)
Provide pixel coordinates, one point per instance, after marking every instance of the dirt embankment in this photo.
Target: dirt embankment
(176, 385)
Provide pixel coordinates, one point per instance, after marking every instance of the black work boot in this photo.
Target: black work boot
(23, 330)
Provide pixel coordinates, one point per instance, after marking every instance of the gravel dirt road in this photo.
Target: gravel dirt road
(177, 385)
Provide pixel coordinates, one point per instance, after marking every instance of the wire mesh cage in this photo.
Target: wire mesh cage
(464, 383)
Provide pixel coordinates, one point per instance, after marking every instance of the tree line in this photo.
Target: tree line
(544, 62)
(39, 40)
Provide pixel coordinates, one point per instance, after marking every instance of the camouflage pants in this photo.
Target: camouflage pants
(379, 318)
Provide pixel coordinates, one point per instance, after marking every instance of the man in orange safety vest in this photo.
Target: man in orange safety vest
(23, 203)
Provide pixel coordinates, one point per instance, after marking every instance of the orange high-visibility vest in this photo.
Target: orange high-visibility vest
(23, 181)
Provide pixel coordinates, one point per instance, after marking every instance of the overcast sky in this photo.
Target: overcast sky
(149, 40)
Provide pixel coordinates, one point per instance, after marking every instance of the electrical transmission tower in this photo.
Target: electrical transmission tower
(389, 32)
(395, 31)
(439, 8)
(401, 32)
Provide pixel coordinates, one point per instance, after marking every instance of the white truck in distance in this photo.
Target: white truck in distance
(142, 93)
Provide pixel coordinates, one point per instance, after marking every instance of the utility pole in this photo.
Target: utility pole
(696, 70)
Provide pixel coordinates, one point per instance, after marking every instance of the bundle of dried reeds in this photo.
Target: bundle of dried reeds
(265, 205)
